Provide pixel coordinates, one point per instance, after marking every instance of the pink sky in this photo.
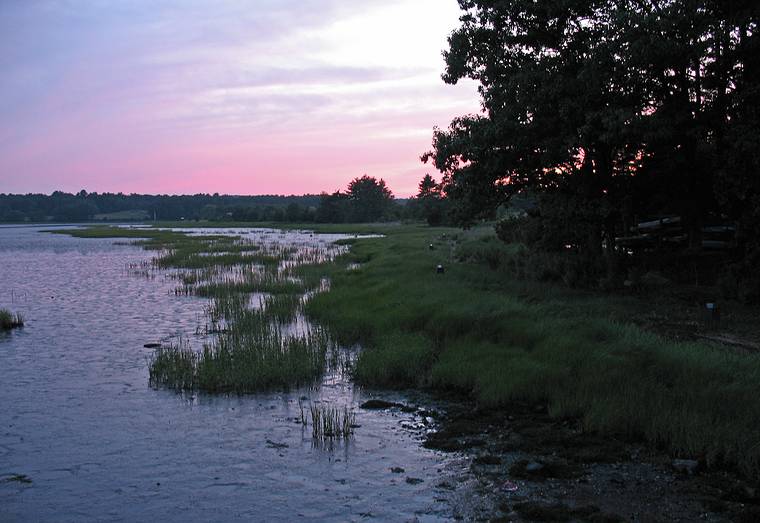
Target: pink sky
(235, 97)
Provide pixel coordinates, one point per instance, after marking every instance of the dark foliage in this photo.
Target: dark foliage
(610, 113)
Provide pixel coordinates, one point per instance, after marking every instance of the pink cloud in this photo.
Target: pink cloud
(203, 98)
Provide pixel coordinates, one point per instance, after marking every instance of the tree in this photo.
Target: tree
(293, 212)
(604, 109)
(429, 202)
(332, 208)
(428, 188)
(369, 199)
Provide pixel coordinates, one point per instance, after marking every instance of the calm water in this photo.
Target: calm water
(78, 418)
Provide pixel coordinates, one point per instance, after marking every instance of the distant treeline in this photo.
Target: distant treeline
(366, 199)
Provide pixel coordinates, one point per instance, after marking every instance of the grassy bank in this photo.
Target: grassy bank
(477, 330)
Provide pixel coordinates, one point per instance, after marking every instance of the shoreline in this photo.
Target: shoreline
(481, 336)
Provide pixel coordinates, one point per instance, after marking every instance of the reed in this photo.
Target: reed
(281, 307)
(9, 321)
(251, 349)
(251, 355)
(330, 422)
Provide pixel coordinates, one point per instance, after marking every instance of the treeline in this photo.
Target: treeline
(84, 206)
(633, 125)
(366, 199)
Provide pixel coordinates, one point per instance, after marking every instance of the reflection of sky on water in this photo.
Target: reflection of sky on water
(79, 419)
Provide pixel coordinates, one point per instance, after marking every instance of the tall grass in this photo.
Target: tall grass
(251, 355)
(498, 339)
(329, 422)
(252, 349)
(9, 321)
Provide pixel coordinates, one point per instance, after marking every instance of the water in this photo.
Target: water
(78, 418)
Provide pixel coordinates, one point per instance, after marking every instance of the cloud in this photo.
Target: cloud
(92, 91)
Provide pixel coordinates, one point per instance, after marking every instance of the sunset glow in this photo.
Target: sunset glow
(238, 97)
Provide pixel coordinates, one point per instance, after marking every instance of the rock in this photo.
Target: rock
(686, 466)
(446, 443)
(397, 470)
(487, 459)
(380, 404)
(537, 471)
(538, 511)
(152, 345)
(19, 478)
(413, 481)
(533, 466)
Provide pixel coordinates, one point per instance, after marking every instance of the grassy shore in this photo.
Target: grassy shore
(475, 329)
(479, 330)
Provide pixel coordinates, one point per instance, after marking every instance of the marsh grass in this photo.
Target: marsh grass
(281, 307)
(330, 422)
(9, 321)
(252, 349)
(251, 355)
(478, 330)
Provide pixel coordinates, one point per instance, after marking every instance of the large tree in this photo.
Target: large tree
(608, 108)
(370, 199)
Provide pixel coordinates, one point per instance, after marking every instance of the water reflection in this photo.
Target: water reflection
(79, 419)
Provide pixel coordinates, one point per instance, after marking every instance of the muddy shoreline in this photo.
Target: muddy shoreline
(528, 466)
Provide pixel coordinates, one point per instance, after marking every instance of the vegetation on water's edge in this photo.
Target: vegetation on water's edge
(9, 321)
(158, 230)
(252, 355)
(253, 349)
(478, 329)
(481, 331)
(330, 422)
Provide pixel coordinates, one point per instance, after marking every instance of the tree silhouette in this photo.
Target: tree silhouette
(369, 199)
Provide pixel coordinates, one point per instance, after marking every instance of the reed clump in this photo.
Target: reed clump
(331, 422)
(282, 308)
(256, 289)
(9, 321)
(251, 355)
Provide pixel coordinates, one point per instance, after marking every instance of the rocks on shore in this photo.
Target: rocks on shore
(537, 470)
(376, 404)
(538, 511)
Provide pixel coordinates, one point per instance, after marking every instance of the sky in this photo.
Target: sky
(227, 96)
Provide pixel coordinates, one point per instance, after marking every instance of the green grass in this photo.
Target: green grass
(9, 321)
(250, 356)
(249, 352)
(477, 329)
(480, 331)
